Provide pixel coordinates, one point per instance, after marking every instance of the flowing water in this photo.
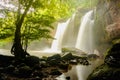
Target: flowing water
(68, 35)
(65, 31)
(84, 42)
(57, 42)
(85, 36)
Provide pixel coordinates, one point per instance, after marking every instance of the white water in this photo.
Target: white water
(70, 34)
(66, 35)
(85, 37)
(57, 42)
(84, 42)
(64, 32)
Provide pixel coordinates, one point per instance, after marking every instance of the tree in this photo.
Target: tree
(32, 20)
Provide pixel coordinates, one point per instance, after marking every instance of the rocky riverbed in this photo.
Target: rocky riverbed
(35, 68)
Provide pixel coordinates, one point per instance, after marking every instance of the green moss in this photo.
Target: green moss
(110, 70)
(104, 72)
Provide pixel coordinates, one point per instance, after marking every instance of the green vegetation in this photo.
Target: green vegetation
(32, 20)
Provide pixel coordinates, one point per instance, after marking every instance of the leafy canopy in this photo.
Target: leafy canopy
(37, 22)
(42, 13)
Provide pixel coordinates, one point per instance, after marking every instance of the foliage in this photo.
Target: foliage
(6, 26)
(32, 19)
(41, 15)
(37, 23)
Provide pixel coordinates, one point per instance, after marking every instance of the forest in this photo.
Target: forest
(85, 32)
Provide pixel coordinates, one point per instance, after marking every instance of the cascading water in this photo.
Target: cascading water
(84, 42)
(70, 34)
(61, 37)
(57, 42)
(85, 36)
(66, 34)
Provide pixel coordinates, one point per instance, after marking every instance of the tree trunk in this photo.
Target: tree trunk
(17, 49)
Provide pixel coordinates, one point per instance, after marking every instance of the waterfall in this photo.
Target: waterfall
(70, 34)
(57, 42)
(84, 40)
(63, 35)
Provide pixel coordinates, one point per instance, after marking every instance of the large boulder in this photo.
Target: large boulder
(113, 31)
(110, 70)
(113, 57)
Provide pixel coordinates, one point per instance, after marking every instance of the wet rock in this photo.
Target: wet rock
(54, 60)
(73, 50)
(45, 74)
(110, 70)
(55, 72)
(67, 57)
(55, 57)
(10, 69)
(24, 71)
(113, 56)
(105, 73)
(44, 64)
(63, 66)
(114, 48)
(112, 62)
(68, 78)
(32, 60)
(83, 61)
(21, 65)
(3, 77)
(37, 67)
(73, 62)
(73, 59)
(37, 73)
(17, 62)
(92, 57)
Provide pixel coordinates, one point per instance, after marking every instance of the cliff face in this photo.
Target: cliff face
(113, 20)
(108, 18)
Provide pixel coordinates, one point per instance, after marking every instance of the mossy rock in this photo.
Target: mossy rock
(113, 56)
(74, 51)
(54, 60)
(104, 72)
(56, 57)
(32, 60)
(67, 57)
(110, 70)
